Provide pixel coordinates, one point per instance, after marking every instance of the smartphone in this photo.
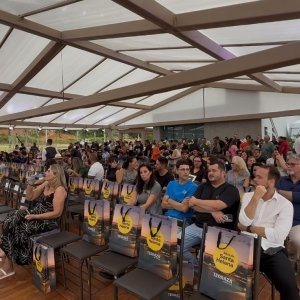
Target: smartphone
(228, 218)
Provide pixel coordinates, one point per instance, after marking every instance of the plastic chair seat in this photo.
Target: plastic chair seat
(82, 249)
(113, 263)
(59, 239)
(144, 284)
(5, 209)
(76, 208)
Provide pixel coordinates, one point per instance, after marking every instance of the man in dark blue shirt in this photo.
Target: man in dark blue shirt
(289, 187)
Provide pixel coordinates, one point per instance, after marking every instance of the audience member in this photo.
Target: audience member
(215, 203)
(268, 214)
(15, 243)
(148, 190)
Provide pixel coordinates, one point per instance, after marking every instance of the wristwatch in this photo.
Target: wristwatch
(249, 228)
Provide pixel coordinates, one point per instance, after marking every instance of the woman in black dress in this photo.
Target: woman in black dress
(15, 243)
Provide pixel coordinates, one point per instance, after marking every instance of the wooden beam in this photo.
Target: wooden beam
(55, 35)
(49, 7)
(252, 63)
(66, 96)
(164, 18)
(231, 15)
(162, 103)
(49, 52)
(56, 125)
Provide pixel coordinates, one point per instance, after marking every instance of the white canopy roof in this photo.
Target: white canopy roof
(102, 63)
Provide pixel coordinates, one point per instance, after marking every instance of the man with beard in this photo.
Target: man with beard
(289, 187)
(215, 203)
(268, 214)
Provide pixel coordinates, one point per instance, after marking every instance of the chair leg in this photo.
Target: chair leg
(273, 292)
(63, 268)
(115, 292)
(81, 282)
(90, 281)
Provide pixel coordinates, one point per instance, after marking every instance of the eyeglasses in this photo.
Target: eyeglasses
(292, 164)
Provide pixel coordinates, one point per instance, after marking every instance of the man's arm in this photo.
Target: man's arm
(250, 209)
(201, 205)
(168, 203)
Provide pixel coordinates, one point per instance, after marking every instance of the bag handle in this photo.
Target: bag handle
(38, 255)
(91, 211)
(219, 241)
(127, 187)
(154, 234)
(126, 213)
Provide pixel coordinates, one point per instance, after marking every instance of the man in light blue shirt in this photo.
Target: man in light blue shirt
(177, 191)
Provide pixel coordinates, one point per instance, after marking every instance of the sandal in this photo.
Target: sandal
(5, 275)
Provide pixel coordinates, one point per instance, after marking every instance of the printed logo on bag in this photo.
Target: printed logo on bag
(225, 257)
(88, 187)
(175, 286)
(128, 194)
(72, 186)
(93, 216)
(38, 261)
(106, 191)
(124, 221)
(125, 225)
(155, 238)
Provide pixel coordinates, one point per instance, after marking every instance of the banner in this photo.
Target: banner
(96, 221)
(43, 273)
(126, 229)
(158, 246)
(128, 194)
(227, 264)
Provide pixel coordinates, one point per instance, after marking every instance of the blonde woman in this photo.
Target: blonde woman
(239, 174)
(15, 243)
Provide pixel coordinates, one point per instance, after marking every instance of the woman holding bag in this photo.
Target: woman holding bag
(15, 243)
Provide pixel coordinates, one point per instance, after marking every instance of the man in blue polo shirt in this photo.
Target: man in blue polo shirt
(177, 191)
(289, 187)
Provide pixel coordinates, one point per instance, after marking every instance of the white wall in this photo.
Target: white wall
(218, 103)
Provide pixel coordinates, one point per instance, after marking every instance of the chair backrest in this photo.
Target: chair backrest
(256, 272)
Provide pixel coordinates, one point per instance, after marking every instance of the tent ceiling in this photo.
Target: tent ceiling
(99, 63)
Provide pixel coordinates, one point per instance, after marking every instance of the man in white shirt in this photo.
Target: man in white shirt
(268, 214)
(96, 170)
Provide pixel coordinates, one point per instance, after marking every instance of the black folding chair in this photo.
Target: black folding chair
(147, 285)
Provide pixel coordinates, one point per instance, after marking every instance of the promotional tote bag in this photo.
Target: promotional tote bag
(43, 274)
(125, 229)
(96, 221)
(128, 194)
(227, 264)
(158, 246)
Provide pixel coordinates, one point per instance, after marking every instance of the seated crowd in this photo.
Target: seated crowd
(250, 185)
